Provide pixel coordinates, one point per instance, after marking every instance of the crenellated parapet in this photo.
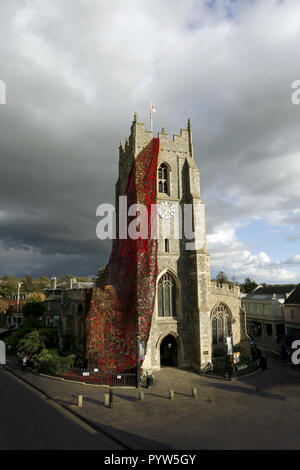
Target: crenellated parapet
(229, 289)
(179, 147)
(140, 137)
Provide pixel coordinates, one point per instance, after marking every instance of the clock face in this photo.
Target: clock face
(166, 210)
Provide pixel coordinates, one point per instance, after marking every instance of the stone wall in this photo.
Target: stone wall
(190, 268)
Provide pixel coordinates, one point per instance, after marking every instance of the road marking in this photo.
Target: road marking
(115, 445)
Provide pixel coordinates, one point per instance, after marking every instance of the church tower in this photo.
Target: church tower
(192, 315)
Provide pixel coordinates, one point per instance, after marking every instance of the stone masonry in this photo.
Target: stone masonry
(188, 266)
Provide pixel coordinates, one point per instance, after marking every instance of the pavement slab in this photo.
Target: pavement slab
(256, 412)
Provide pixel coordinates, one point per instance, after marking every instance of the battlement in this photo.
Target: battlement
(140, 137)
(179, 143)
(227, 289)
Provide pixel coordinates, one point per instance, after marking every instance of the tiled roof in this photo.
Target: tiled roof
(83, 285)
(281, 290)
(53, 297)
(294, 298)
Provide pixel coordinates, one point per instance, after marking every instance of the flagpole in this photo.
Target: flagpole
(152, 111)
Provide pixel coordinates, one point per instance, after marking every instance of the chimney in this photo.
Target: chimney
(70, 283)
(53, 283)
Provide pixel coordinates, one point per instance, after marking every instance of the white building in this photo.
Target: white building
(265, 314)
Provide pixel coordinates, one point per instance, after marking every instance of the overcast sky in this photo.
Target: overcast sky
(77, 70)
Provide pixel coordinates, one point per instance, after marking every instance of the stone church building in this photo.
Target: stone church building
(192, 315)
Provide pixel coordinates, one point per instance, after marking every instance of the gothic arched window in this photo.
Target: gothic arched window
(163, 179)
(220, 324)
(167, 296)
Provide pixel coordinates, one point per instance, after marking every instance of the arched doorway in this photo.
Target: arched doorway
(169, 352)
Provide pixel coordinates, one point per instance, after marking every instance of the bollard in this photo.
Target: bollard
(141, 396)
(110, 398)
(194, 392)
(171, 395)
(106, 400)
(79, 401)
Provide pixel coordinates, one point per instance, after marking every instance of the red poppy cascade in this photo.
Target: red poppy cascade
(121, 305)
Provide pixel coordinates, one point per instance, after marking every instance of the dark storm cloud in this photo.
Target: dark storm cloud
(75, 73)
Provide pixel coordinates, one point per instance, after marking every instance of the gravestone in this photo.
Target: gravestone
(2, 353)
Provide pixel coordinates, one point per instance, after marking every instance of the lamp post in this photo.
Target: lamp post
(18, 298)
(230, 352)
(232, 357)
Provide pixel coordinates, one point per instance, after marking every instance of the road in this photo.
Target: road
(30, 421)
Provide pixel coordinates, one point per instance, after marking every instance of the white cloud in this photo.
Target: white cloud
(295, 260)
(228, 254)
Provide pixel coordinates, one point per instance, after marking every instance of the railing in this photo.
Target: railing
(273, 356)
(99, 378)
(219, 361)
(283, 358)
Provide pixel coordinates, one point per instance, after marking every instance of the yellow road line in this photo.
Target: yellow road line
(64, 411)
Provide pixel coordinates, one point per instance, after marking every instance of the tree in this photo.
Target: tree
(36, 297)
(32, 343)
(248, 285)
(42, 283)
(3, 306)
(34, 307)
(28, 284)
(222, 278)
(3, 309)
(234, 281)
(8, 286)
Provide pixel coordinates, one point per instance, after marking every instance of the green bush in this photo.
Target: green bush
(50, 335)
(32, 344)
(34, 307)
(32, 322)
(49, 362)
(44, 362)
(29, 325)
(14, 339)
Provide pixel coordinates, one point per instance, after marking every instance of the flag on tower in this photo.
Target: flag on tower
(152, 110)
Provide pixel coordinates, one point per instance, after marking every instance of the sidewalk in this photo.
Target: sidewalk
(257, 412)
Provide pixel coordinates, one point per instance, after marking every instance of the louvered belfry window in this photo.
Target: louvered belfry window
(163, 183)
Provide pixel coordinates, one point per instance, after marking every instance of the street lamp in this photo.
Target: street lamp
(18, 298)
(232, 358)
(230, 353)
